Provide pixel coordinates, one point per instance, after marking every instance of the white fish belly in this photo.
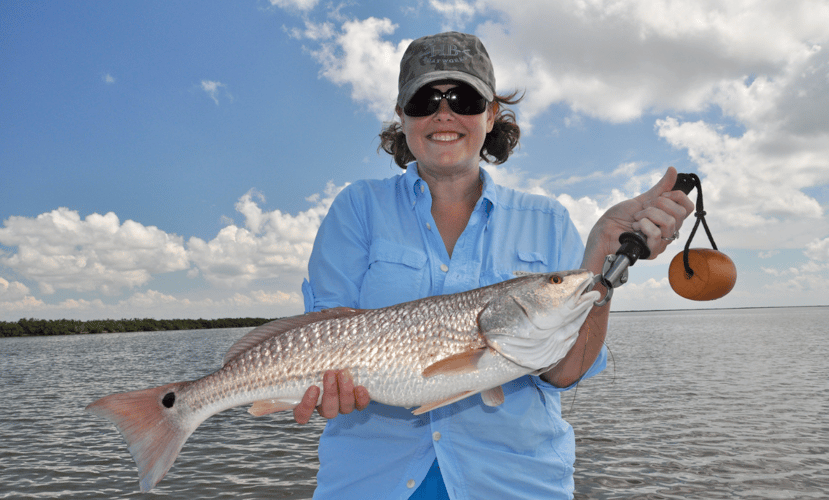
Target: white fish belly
(400, 385)
(413, 389)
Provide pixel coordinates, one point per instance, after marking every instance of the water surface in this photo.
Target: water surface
(697, 404)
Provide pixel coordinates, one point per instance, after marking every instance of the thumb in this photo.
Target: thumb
(665, 184)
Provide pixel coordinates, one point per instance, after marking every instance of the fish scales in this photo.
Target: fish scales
(420, 334)
(470, 342)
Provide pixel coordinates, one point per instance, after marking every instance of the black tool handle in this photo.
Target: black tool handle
(684, 183)
(635, 244)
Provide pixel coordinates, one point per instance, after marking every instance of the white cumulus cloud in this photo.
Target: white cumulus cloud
(818, 250)
(270, 245)
(59, 250)
(616, 59)
(456, 13)
(359, 57)
(757, 70)
(13, 290)
(301, 5)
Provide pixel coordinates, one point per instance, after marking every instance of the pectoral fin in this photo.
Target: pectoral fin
(457, 364)
(267, 406)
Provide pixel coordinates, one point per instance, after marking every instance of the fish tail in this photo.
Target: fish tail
(153, 425)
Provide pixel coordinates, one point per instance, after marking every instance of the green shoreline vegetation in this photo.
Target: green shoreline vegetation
(47, 327)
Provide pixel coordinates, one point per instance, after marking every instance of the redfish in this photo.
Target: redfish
(425, 354)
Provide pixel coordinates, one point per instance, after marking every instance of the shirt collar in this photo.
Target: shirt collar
(488, 194)
(416, 187)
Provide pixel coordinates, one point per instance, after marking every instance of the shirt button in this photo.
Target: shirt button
(428, 226)
(436, 436)
(422, 188)
(410, 484)
(444, 268)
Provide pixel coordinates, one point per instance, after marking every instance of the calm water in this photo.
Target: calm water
(704, 404)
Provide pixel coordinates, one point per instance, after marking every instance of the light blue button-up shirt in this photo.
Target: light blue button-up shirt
(379, 246)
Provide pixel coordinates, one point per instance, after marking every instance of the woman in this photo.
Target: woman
(444, 227)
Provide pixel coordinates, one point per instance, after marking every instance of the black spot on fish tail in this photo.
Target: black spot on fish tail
(169, 400)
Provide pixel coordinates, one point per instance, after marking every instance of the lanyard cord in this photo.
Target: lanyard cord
(700, 215)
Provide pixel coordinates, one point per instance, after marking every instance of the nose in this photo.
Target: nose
(443, 111)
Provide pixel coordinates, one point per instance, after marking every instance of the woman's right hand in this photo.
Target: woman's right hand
(339, 396)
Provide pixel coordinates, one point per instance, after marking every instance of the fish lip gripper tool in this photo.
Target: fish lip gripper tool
(634, 247)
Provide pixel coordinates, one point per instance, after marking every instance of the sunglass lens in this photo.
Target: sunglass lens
(425, 102)
(462, 99)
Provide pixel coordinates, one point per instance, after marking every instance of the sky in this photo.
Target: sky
(174, 159)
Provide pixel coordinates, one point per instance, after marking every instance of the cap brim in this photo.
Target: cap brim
(412, 87)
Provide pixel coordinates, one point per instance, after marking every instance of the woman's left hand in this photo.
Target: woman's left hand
(657, 213)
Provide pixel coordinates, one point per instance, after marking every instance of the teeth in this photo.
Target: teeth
(445, 137)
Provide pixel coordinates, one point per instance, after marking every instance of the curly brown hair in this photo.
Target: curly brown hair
(498, 144)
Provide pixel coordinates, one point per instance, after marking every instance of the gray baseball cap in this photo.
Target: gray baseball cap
(445, 56)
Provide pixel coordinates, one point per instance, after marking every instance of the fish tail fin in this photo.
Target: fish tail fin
(154, 427)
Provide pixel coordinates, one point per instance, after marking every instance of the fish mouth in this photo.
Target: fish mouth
(583, 294)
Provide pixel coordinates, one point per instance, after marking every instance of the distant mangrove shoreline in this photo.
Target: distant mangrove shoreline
(48, 327)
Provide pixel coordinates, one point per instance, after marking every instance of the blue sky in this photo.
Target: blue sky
(174, 159)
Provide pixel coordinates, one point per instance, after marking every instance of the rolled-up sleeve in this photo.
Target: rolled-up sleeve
(339, 258)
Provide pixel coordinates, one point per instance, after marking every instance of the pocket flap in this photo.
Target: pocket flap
(395, 253)
(532, 257)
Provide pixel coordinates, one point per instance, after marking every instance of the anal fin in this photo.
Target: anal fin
(493, 397)
(443, 402)
(266, 406)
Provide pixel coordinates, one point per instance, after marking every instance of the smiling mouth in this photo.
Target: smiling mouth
(445, 136)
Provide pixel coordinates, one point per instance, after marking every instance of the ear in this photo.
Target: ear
(401, 116)
(491, 113)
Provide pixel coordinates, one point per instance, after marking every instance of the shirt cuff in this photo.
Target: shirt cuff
(308, 296)
(598, 365)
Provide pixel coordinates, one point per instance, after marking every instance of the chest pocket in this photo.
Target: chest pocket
(534, 261)
(531, 262)
(396, 273)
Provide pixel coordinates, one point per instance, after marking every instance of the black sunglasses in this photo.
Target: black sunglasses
(463, 100)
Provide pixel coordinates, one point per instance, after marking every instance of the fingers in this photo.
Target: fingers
(665, 184)
(362, 397)
(664, 189)
(683, 201)
(663, 212)
(304, 410)
(657, 213)
(338, 396)
(347, 401)
(330, 406)
(653, 233)
(659, 224)
(351, 398)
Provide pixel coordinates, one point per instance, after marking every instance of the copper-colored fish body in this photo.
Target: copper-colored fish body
(425, 353)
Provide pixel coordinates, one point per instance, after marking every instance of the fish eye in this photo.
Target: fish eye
(169, 400)
(556, 280)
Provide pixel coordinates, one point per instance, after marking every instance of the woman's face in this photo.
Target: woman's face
(445, 141)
